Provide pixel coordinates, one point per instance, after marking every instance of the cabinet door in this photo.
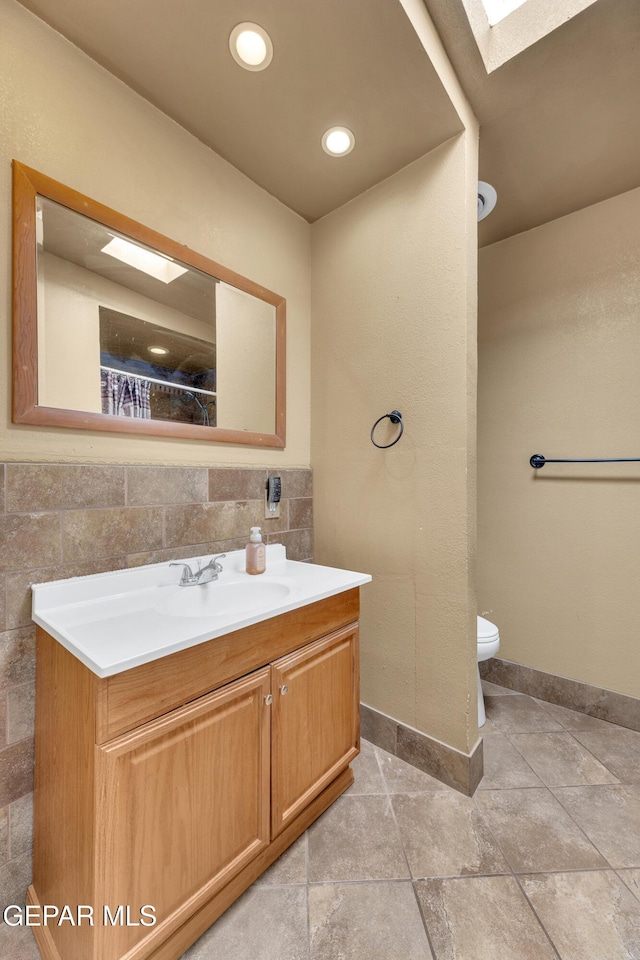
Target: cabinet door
(184, 805)
(315, 721)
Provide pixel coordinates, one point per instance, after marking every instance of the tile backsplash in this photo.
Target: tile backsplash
(68, 520)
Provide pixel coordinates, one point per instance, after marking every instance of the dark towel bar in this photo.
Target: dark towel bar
(537, 460)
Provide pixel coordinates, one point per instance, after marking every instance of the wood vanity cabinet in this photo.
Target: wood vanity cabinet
(175, 784)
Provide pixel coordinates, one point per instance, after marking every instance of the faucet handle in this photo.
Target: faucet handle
(214, 561)
(187, 572)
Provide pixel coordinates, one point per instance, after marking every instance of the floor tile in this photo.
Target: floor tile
(481, 918)
(618, 749)
(488, 728)
(632, 879)
(535, 832)
(21, 818)
(444, 835)
(573, 719)
(361, 903)
(266, 923)
(587, 915)
(519, 714)
(17, 943)
(15, 877)
(504, 768)
(4, 823)
(356, 839)
(610, 817)
(402, 777)
(290, 867)
(376, 921)
(435, 758)
(494, 690)
(559, 760)
(366, 769)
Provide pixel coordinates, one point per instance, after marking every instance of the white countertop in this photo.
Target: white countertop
(119, 620)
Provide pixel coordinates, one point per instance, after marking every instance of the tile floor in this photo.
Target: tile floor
(542, 864)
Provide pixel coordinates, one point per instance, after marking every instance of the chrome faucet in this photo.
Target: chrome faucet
(202, 575)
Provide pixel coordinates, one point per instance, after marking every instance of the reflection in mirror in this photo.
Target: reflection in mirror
(98, 290)
(172, 376)
(133, 338)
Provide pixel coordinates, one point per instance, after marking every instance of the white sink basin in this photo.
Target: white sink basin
(118, 620)
(220, 599)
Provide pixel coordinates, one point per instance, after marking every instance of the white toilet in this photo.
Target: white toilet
(488, 645)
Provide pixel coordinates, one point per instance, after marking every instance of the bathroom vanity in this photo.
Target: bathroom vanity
(179, 754)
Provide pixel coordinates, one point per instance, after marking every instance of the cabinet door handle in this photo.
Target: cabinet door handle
(268, 699)
(284, 689)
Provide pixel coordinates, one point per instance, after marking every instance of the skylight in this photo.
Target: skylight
(500, 36)
(155, 264)
(497, 10)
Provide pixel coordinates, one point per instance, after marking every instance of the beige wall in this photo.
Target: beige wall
(392, 328)
(559, 349)
(67, 117)
(394, 313)
(246, 361)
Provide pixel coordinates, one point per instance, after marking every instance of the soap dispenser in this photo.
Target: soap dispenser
(256, 552)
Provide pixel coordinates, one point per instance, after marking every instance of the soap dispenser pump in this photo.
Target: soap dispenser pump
(256, 553)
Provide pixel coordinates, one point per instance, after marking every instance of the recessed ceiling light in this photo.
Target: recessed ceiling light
(158, 266)
(338, 141)
(159, 350)
(251, 46)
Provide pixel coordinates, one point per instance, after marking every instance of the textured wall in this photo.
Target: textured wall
(394, 314)
(559, 352)
(391, 330)
(67, 520)
(68, 118)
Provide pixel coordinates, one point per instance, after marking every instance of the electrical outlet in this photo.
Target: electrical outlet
(272, 498)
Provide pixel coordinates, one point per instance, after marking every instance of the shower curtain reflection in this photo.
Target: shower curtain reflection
(124, 395)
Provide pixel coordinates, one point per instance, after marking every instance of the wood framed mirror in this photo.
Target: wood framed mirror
(118, 328)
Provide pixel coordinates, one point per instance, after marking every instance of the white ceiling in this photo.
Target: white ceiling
(560, 123)
(353, 63)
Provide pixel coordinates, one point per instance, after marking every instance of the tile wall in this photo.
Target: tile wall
(459, 770)
(585, 698)
(68, 520)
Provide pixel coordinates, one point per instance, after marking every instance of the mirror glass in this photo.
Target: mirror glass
(129, 336)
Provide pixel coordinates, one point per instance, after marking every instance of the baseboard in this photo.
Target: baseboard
(584, 697)
(459, 770)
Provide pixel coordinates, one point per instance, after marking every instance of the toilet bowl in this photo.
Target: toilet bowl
(488, 645)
